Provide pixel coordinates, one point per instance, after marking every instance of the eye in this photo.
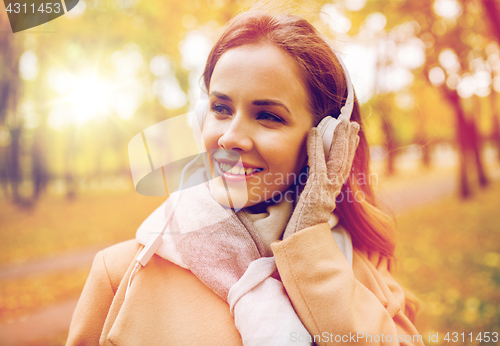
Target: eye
(220, 109)
(269, 117)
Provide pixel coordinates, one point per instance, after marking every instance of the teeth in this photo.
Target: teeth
(237, 170)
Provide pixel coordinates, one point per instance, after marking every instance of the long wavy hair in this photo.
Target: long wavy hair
(371, 229)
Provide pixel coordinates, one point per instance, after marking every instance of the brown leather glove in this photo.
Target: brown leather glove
(317, 200)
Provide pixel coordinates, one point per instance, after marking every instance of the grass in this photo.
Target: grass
(58, 225)
(449, 252)
(22, 296)
(450, 258)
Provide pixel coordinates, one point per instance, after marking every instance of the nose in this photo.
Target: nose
(237, 136)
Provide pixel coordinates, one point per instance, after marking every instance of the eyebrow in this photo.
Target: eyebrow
(221, 96)
(265, 102)
(269, 102)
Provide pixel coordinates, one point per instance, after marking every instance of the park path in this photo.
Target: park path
(56, 318)
(399, 201)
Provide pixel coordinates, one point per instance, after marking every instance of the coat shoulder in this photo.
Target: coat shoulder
(117, 258)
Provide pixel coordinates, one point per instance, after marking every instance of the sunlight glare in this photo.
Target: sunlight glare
(467, 86)
(195, 49)
(89, 100)
(449, 60)
(448, 9)
(82, 99)
(335, 19)
(28, 65)
(355, 5)
(437, 76)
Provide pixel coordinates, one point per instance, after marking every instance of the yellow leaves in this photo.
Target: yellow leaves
(56, 225)
(452, 295)
(450, 254)
(22, 296)
(492, 259)
(470, 313)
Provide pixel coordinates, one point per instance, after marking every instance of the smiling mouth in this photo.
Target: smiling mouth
(236, 170)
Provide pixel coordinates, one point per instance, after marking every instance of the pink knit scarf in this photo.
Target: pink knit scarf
(256, 298)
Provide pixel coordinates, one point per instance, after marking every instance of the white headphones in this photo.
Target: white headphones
(326, 127)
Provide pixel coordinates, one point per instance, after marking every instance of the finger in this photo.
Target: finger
(353, 139)
(315, 153)
(353, 145)
(338, 150)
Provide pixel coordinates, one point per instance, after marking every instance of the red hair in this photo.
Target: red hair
(371, 229)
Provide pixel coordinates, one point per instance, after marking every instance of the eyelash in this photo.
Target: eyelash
(274, 117)
(218, 109)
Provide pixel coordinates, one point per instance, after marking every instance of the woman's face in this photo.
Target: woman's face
(258, 108)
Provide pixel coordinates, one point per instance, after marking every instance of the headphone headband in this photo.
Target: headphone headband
(346, 110)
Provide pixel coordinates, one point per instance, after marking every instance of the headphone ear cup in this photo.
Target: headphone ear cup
(326, 129)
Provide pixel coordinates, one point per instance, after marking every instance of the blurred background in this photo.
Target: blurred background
(74, 92)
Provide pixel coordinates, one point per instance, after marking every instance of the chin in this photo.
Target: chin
(235, 196)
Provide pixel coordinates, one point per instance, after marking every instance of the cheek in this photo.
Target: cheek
(210, 136)
(303, 150)
(296, 148)
(290, 155)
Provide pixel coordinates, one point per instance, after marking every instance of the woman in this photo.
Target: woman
(304, 261)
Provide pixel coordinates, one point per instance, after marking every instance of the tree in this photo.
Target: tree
(9, 95)
(448, 39)
(493, 13)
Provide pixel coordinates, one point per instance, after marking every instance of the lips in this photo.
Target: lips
(237, 170)
(231, 170)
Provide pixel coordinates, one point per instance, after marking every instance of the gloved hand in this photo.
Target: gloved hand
(317, 200)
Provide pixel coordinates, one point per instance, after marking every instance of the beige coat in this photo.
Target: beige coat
(168, 305)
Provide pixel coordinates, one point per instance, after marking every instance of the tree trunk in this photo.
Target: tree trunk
(9, 93)
(476, 145)
(492, 12)
(390, 143)
(69, 174)
(39, 162)
(465, 190)
(462, 140)
(39, 150)
(495, 134)
(423, 142)
(15, 168)
(426, 155)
